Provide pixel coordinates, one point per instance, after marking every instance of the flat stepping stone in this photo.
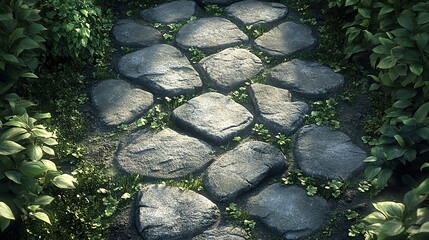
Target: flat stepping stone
(163, 68)
(322, 152)
(170, 12)
(286, 39)
(130, 33)
(220, 2)
(253, 12)
(165, 212)
(231, 68)
(213, 116)
(289, 210)
(309, 79)
(276, 110)
(164, 155)
(223, 233)
(209, 34)
(242, 169)
(118, 102)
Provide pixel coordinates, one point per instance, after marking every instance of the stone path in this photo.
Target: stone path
(212, 118)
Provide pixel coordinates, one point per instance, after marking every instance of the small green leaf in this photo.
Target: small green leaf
(41, 133)
(395, 152)
(34, 152)
(400, 140)
(402, 104)
(49, 164)
(14, 176)
(390, 209)
(42, 115)
(422, 18)
(43, 200)
(8, 147)
(416, 69)
(387, 62)
(370, 159)
(410, 155)
(11, 133)
(406, 21)
(351, 2)
(41, 216)
(424, 165)
(29, 75)
(48, 150)
(5, 211)
(10, 58)
(423, 133)
(391, 228)
(405, 93)
(422, 112)
(32, 169)
(375, 217)
(28, 43)
(388, 131)
(4, 223)
(50, 141)
(64, 181)
(374, 86)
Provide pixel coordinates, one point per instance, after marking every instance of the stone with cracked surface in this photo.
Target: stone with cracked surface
(210, 34)
(276, 110)
(242, 169)
(223, 233)
(170, 12)
(213, 116)
(252, 12)
(131, 33)
(162, 68)
(163, 155)
(167, 213)
(118, 102)
(309, 79)
(289, 210)
(322, 152)
(231, 68)
(286, 39)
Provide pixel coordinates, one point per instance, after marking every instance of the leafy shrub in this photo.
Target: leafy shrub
(76, 29)
(25, 150)
(20, 40)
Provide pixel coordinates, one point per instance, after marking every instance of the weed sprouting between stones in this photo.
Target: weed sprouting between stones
(196, 55)
(189, 183)
(240, 95)
(324, 113)
(240, 217)
(256, 31)
(281, 141)
(170, 30)
(214, 10)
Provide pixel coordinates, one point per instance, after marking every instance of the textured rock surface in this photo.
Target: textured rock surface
(170, 12)
(118, 102)
(289, 210)
(231, 67)
(209, 34)
(253, 12)
(214, 116)
(320, 151)
(131, 33)
(309, 79)
(223, 233)
(220, 2)
(169, 213)
(241, 169)
(285, 39)
(166, 154)
(275, 109)
(161, 67)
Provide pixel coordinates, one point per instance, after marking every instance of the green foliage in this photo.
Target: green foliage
(189, 183)
(196, 55)
(281, 141)
(170, 30)
(214, 9)
(25, 160)
(240, 217)
(407, 220)
(76, 29)
(240, 95)
(21, 42)
(256, 31)
(261, 132)
(324, 113)
(87, 211)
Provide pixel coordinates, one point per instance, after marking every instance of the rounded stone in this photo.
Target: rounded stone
(286, 39)
(170, 12)
(162, 68)
(220, 2)
(309, 79)
(166, 213)
(322, 152)
(276, 110)
(242, 169)
(118, 102)
(252, 12)
(131, 33)
(231, 68)
(289, 210)
(213, 116)
(223, 233)
(163, 155)
(209, 34)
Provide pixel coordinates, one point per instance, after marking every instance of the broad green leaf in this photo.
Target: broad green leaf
(422, 112)
(423, 133)
(400, 140)
(386, 41)
(391, 228)
(4, 223)
(395, 152)
(14, 176)
(402, 104)
(28, 43)
(10, 58)
(424, 165)
(371, 171)
(48, 150)
(374, 86)
(390, 209)
(383, 177)
(416, 69)
(11, 133)
(423, 18)
(388, 131)
(50, 141)
(64, 181)
(34, 152)
(370, 159)
(32, 169)
(43, 200)
(29, 75)
(387, 62)
(405, 93)
(6, 16)
(41, 216)
(49, 164)
(384, 10)
(375, 217)
(42, 115)
(351, 2)
(8, 147)
(410, 155)
(405, 19)
(5, 211)
(423, 188)
(41, 133)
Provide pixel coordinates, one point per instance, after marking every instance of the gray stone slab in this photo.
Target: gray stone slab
(131, 33)
(167, 213)
(309, 79)
(118, 102)
(213, 116)
(170, 12)
(276, 110)
(231, 68)
(322, 152)
(162, 68)
(223, 233)
(242, 169)
(252, 12)
(220, 2)
(209, 34)
(286, 39)
(163, 155)
(289, 210)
